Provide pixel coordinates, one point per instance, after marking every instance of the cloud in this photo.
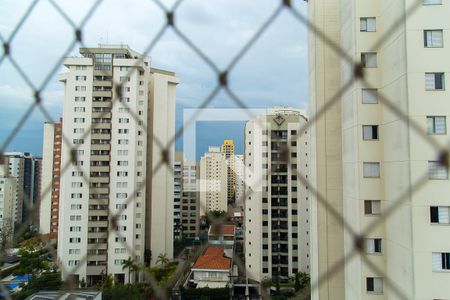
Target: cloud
(273, 72)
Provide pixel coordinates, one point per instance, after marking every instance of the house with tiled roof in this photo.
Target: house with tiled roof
(212, 269)
(222, 235)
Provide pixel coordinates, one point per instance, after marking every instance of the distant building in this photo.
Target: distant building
(27, 170)
(222, 235)
(113, 163)
(8, 186)
(187, 200)
(212, 269)
(277, 202)
(213, 181)
(228, 148)
(50, 186)
(239, 177)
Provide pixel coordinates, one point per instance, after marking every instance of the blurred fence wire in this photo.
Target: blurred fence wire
(222, 85)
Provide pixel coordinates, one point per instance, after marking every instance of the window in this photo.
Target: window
(78, 120)
(76, 196)
(121, 195)
(369, 59)
(439, 214)
(122, 163)
(432, 38)
(124, 99)
(74, 251)
(369, 96)
(78, 141)
(124, 78)
(78, 130)
(126, 89)
(371, 170)
(373, 246)
(122, 152)
(123, 142)
(75, 218)
(74, 240)
(432, 2)
(122, 174)
(367, 24)
(123, 131)
(80, 99)
(440, 261)
(75, 228)
(434, 81)
(372, 207)
(374, 285)
(80, 78)
(370, 132)
(124, 110)
(75, 206)
(436, 125)
(80, 88)
(77, 184)
(436, 170)
(124, 120)
(73, 263)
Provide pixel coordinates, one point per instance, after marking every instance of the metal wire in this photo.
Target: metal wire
(222, 77)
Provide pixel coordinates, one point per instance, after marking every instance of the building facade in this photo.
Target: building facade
(112, 161)
(239, 187)
(228, 148)
(213, 181)
(7, 200)
(50, 185)
(187, 210)
(277, 201)
(27, 170)
(380, 153)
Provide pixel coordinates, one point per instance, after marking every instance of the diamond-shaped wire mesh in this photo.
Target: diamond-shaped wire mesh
(222, 85)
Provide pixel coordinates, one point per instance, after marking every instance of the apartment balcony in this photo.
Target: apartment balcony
(97, 247)
(99, 169)
(101, 93)
(94, 190)
(100, 146)
(97, 213)
(104, 115)
(102, 83)
(99, 179)
(101, 104)
(101, 125)
(100, 157)
(97, 224)
(96, 270)
(96, 257)
(97, 235)
(100, 136)
(99, 202)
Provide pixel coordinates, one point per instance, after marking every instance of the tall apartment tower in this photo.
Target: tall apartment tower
(213, 181)
(50, 184)
(378, 153)
(239, 177)
(277, 203)
(8, 186)
(186, 197)
(228, 148)
(112, 158)
(27, 170)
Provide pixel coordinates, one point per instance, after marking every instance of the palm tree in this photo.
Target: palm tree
(162, 259)
(130, 265)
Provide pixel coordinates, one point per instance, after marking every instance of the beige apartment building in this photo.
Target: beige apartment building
(369, 158)
(277, 202)
(213, 181)
(239, 179)
(111, 156)
(228, 148)
(8, 185)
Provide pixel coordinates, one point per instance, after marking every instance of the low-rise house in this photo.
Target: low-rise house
(212, 269)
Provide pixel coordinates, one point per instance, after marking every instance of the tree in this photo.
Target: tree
(162, 260)
(131, 266)
(33, 259)
(6, 233)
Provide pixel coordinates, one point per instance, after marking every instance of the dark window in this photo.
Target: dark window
(434, 214)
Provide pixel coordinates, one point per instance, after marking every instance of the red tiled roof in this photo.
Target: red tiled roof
(221, 229)
(213, 258)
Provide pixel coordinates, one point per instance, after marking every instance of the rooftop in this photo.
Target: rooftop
(213, 258)
(217, 229)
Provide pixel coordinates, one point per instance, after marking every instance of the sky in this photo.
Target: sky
(272, 73)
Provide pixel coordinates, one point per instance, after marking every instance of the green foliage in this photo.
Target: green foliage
(33, 259)
(303, 280)
(131, 266)
(129, 292)
(162, 259)
(164, 275)
(206, 293)
(46, 281)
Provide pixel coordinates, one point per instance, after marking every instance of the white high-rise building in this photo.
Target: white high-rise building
(213, 181)
(371, 159)
(112, 157)
(7, 200)
(239, 187)
(277, 202)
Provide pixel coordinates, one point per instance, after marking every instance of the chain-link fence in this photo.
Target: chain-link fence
(222, 85)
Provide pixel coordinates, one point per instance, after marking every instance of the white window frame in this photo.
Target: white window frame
(433, 38)
(369, 59)
(370, 170)
(368, 24)
(430, 81)
(437, 125)
(436, 171)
